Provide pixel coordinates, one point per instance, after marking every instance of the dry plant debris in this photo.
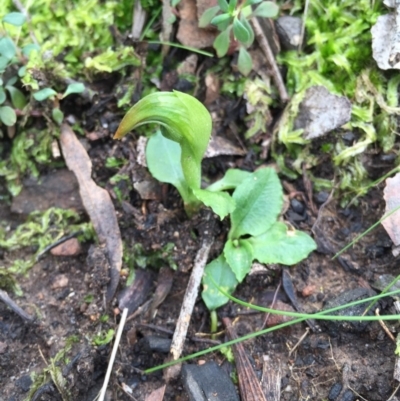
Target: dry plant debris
(97, 203)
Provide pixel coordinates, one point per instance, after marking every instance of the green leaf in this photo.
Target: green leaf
(231, 179)
(2, 95)
(14, 18)
(220, 18)
(76, 87)
(240, 31)
(58, 115)
(280, 245)
(251, 2)
(163, 159)
(26, 50)
(245, 63)
(7, 116)
(222, 41)
(267, 9)
(7, 48)
(247, 25)
(207, 16)
(259, 201)
(222, 274)
(174, 3)
(4, 61)
(18, 99)
(22, 71)
(183, 119)
(239, 255)
(44, 94)
(103, 338)
(220, 202)
(223, 4)
(232, 6)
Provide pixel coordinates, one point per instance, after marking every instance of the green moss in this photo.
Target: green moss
(338, 55)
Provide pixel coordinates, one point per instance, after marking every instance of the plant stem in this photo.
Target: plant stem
(214, 321)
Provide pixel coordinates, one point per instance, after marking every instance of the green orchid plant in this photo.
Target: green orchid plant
(253, 201)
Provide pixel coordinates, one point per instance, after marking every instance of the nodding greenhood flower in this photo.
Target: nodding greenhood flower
(183, 119)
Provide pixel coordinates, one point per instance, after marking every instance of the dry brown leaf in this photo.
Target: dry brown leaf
(156, 395)
(97, 203)
(189, 33)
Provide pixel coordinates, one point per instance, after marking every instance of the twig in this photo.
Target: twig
(113, 354)
(384, 327)
(300, 341)
(187, 307)
(56, 243)
(11, 304)
(265, 47)
(272, 304)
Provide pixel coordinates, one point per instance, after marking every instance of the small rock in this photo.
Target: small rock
(335, 391)
(322, 197)
(71, 247)
(356, 310)
(382, 33)
(288, 29)
(208, 382)
(321, 112)
(60, 281)
(308, 290)
(348, 395)
(297, 206)
(24, 383)
(156, 344)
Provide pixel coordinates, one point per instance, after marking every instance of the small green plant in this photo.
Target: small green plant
(174, 156)
(11, 57)
(185, 131)
(233, 23)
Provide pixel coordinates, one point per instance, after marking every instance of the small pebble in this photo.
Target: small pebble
(322, 197)
(297, 206)
(335, 391)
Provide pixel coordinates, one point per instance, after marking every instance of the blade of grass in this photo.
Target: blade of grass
(319, 315)
(188, 48)
(365, 232)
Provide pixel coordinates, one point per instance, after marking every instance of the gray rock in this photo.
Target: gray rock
(288, 29)
(321, 112)
(208, 382)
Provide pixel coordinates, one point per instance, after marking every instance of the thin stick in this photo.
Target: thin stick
(189, 300)
(384, 327)
(113, 354)
(265, 47)
(300, 341)
(11, 304)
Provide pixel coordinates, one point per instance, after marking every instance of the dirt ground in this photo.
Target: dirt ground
(62, 354)
(353, 364)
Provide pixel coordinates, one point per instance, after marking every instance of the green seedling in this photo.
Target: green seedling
(232, 20)
(174, 156)
(255, 234)
(11, 56)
